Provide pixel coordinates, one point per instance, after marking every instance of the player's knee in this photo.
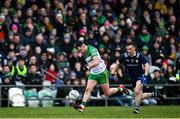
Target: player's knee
(106, 93)
(137, 91)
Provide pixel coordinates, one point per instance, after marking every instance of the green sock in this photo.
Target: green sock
(83, 103)
(120, 89)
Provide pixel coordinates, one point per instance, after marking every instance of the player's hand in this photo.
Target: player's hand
(111, 77)
(144, 79)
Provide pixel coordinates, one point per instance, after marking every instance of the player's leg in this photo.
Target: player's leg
(109, 91)
(104, 81)
(153, 94)
(138, 95)
(146, 95)
(89, 87)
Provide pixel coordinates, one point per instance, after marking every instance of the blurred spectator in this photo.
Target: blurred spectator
(158, 79)
(33, 60)
(52, 46)
(161, 6)
(157, 53)
(51, 73)
(21, 71)
(171, 79)
(7, 79)
(73, 58)
(28, 37)
(62, 61)
(145, 51)
(78, 69)
(33, 78)
(39, 41)
(144, 38)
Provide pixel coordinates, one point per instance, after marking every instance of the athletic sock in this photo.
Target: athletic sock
(136, 107)
(83, 103)
(120, 89)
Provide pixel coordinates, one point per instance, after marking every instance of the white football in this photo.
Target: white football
(73, 95)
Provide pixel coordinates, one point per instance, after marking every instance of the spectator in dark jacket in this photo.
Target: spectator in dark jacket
(33, 78)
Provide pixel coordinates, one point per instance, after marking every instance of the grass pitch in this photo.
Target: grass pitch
(91, 112)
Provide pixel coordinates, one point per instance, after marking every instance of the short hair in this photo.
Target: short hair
(31, 65)
(79, 43)
(130, 43)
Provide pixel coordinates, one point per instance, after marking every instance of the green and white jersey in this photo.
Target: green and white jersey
(89, 54)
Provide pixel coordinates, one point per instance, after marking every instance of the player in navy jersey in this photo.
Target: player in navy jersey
(138, 70)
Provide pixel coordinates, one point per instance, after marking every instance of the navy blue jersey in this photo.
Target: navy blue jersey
(133, 64)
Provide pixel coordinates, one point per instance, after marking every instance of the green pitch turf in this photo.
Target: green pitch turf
(91, 112)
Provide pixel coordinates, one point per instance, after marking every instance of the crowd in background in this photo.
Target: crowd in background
(38, 37)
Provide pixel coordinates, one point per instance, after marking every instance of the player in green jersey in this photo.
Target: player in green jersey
(98, 74)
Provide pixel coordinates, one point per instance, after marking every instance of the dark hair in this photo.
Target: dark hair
(130, 43)
(32, 65)
(79, 43)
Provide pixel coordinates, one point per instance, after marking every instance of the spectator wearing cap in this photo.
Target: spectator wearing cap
(101, 49)
(2, 18)
(61, 61)
(159, 79)
(73, 78)
(107, 29)
(61, 75)
(147, 55)
(14, 28)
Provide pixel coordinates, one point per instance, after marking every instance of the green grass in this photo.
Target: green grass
(92, 112)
